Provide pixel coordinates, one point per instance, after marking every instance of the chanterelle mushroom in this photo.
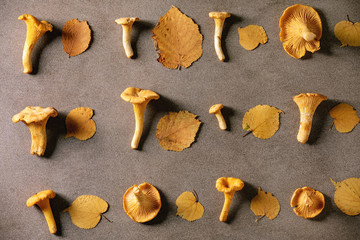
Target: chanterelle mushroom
(139, 98)
(142, 203)
(126, 24)
(42, 200)
(36, 118)
(216, 109)
(307, 202)
(307, 103)
(228, 186)
(300, 30)
(35, 29)
(219, 18)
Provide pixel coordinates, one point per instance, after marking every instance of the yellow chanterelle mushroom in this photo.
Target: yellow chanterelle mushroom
(126, 24)
(216, 110)
(307, 202)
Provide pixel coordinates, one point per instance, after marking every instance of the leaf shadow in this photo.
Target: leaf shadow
(228, 113)
(231, 21)
(92, 34)
(138, 28)
(54, 129)
(58, 204)
(163, 213)
(321, 113)
(44, 41)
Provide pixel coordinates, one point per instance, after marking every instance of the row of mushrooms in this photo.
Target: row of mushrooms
(142, 202)
(300, 31)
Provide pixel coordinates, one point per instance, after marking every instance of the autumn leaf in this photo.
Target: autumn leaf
(177, 39)
(348, 33)
(347, 195)
(176, 131)
(79, 123)
(189, 207)
(86, 211)
(262, 121)
(76, 37)
(264, 203)
(251, 36)
(345, 117)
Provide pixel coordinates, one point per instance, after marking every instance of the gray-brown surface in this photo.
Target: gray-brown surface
(106, 166)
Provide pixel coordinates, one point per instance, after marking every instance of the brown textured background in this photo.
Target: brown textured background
(106, 166)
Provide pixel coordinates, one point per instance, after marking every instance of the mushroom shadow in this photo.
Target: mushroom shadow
(44, 41)
(58, 204)
(138, 27)
(232, 20)
(327, 37)
(326, 211)
(319, 117)
(227, 113)
(164, 210)
(54, 129)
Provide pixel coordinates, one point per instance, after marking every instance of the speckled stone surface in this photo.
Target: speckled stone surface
(106, 166)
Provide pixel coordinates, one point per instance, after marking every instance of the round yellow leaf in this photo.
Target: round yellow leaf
(264, 203)
(188, 207)
(348, 33)
(345, 117)
(251, 36)
(86, 211)
(79, 123)
(347, 196)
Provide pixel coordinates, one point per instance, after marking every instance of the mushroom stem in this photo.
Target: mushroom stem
(221, 120)
(219, 25)
(127, 24)
(226, 206)
(46, 210)
(139, 112)
(35, 29)
(305, 126)
(308, 36)
(38, 137)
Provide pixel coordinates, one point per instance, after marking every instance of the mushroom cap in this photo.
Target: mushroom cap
(308, 102)
(42, 26)
(215, 108)
(296, 20)
(219, 15)
(34, 114)
(307, 202)
(138, 96)
(127, 20)
(229, 184)
(142, 203)
(40, 196)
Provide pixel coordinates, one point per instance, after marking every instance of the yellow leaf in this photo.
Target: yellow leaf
(347, 195)
(262, 121)
(189, 207)
(76, 37)
(86, 211)
(176, 131)
(264, 203)
(348, 33)
(177, 39)
(251, 36)
(79, 123)
(345, 117)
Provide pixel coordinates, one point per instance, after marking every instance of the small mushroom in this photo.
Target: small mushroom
(219, 18)
(42, 200)
(126, 24)
(228, 186)
(216, 109)
(300, 30)
(35, 29)
(307, 202)
(36, 118)
(142, 203)
(139, 98)
(307, 103)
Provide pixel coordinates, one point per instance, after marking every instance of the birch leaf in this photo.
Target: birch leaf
(262, 121)
(177, 39)
(176, 131)
(348, 33)
(76, 37)
(79, 123)
(345, 117)
(86, 211)
(264, 203)
(347, 195)
(189, 207)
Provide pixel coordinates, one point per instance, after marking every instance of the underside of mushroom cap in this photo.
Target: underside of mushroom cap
(142, 203)
(310, 101)
(296, 22)
(137, 95)
(307, 202)
(46, 194)
(126, 20)
(219, 15)
(34, 114)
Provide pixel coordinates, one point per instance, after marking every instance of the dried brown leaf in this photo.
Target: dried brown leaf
(176, 131)
(76, 37)
(177, 39)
